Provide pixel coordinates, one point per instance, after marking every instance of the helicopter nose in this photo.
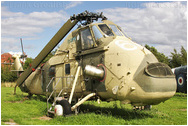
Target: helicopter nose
(159, 78)
(157, 83)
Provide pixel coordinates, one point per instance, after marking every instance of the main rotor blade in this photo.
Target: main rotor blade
(63, 31)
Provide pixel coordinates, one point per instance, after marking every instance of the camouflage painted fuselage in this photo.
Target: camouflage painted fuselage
(132, 73)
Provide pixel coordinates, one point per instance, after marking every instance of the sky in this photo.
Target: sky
(162, 24)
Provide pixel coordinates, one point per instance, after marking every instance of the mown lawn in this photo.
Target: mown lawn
(22, 111)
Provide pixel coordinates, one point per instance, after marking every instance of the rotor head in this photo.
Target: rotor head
(87, 17)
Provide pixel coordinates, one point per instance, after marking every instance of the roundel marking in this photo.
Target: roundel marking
(180, 80)
(125, 45)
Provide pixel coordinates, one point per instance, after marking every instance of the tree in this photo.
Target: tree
(183, 56)
(160, 56)
(7, 75)
(178, 59)
(27, 62)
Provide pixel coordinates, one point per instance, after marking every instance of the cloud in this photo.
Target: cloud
(72, 4)
(8, 40)
(160, 24)
(15, 25)
(20, 24)
(13, 53)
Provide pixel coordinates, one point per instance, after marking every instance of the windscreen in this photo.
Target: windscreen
(96, 32)
(106, 30)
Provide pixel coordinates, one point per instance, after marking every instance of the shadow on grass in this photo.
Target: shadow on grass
(123, 113)
(23, 97)
(39, 97)
(126, 114)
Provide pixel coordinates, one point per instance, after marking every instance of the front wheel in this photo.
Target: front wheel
(62, 108)
(66, 107)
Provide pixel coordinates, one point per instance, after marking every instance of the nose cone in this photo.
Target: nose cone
(156, 83)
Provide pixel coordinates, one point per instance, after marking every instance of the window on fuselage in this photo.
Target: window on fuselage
(67, 69)
(116, 30)
(96, 32)
(52, 71)
(86, 39)
(106, 30)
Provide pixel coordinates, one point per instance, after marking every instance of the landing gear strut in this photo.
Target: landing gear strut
(146, 107)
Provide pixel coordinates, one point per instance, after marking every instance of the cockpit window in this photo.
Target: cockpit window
(159, 70)
(116, 30)
(96, 32)
(106, 30)
(86, 38)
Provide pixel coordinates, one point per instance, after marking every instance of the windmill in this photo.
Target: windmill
(23, 56)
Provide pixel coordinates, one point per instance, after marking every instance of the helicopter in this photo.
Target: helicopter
(97, 61)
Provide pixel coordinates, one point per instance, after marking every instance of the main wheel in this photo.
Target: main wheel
(66, 107)
(181, 83)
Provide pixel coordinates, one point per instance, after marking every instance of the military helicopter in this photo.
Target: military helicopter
(97, 61)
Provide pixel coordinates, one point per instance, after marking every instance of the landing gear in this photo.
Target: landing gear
(63, 108)
(66, 107)
(146, 107)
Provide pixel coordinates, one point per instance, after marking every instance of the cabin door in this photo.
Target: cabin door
(59, 77)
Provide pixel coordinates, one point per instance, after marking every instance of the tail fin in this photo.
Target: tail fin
(17, 63)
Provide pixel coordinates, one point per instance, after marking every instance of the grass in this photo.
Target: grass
(27, 112)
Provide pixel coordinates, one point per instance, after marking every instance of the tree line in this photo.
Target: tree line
(174, 60)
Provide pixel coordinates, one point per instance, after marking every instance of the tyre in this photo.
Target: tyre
(66, 107)
(181, 83)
